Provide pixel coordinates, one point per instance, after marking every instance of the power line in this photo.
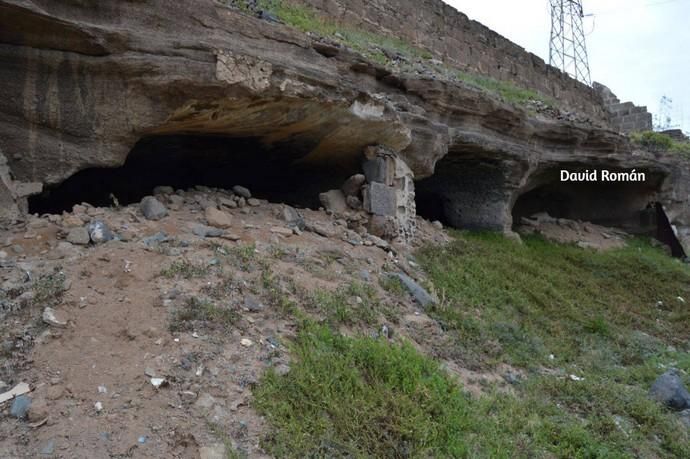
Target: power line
(567, 47)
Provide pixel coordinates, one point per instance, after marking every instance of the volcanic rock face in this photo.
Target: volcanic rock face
(87, 81)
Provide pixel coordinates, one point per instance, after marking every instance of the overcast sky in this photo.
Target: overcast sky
(638, 48)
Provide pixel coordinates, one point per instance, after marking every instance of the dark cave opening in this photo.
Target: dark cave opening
(465, 192)
(624, 205)
(184, 161)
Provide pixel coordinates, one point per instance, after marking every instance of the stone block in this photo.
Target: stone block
(380, 199)
(375, 170)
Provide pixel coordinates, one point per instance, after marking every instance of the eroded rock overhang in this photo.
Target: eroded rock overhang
(86, 101)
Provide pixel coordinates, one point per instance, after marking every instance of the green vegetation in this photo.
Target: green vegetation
(49, 289)
(378, 48)
(185, 269)
(350, 304)
(306, 20)
(200, 310)
(508, 92)
(588, 331)
(361, 397)
(658, 142)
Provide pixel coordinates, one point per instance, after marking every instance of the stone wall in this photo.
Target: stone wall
(624, 116)
(452, 37)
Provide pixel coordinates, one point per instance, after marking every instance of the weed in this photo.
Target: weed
(200, 310)
(49, 289)
(393, 285)
(185, 269)
(349, 304)
(508, 92)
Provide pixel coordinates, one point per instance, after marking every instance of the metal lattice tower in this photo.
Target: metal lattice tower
(568, 50)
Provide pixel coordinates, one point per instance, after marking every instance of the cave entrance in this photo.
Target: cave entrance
(271, 172)
(629, 206)
(466, 192)
(624, 205)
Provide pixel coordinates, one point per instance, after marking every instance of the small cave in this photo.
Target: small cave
(624, 205)
(630, 206)
(271, 172)
(465, 192)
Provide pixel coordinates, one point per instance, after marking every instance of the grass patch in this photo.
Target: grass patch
(658, 142)
(506, 91)
(362, 397)
(505, 302)
(185, 269)
(197, 310)
(353, 303)
(541, 298)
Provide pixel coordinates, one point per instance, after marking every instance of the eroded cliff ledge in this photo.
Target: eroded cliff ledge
(88, 83)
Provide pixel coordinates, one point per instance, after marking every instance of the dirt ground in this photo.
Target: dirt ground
(91, 379)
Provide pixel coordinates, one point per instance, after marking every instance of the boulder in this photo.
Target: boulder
(417, 291)
(292, 218)
(218, 218)
(670, 390)
(99, 232)
(353, 185)
(334, 200)
(242, 191)
(79, 236)
(152, 208)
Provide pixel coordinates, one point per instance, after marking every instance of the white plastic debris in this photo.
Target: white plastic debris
(19, 389)
(246, 342)
(681, 299)
(102, 390)
(576, 378)
(158, 382)
(98, 406)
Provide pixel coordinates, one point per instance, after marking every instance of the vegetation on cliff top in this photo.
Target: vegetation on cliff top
(378, 48)
(587, 332)
(658, 142)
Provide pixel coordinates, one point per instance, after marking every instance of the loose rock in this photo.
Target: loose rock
(242, 191)
(353, 185)
(51, 317)
(79, 236)
(152, 208)
(334, 200)
(670, 390)
(206, 231)
(417, 291)
(20, 407)
(218, 218)
(99, 232)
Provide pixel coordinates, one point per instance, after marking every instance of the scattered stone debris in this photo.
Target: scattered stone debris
(585, 235)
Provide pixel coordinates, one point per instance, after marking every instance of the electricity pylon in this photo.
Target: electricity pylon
(568, 50)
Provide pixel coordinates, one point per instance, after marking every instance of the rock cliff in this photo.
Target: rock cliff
(85, 83)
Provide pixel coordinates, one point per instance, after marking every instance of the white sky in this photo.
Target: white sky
(638, 48)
